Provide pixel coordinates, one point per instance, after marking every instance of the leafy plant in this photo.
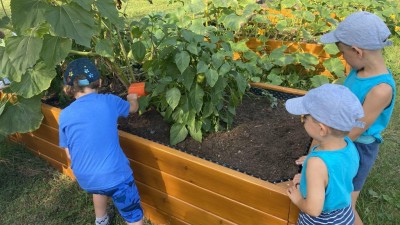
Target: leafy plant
(195, 83)
(49, 34)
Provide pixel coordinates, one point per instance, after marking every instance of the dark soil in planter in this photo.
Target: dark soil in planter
(264, 142)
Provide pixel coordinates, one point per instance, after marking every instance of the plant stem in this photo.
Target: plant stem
(121, 43)
(83, 53)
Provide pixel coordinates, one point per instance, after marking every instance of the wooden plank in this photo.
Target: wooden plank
(158, 217)
(265, 196)
(51, 115)
(278, 88)
(46, 148)
(47, 133)
(202, 198)
(293, 213)
(181, 210)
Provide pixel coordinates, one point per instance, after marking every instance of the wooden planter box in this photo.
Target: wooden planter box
(178, 188)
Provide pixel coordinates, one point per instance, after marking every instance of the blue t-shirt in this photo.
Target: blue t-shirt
(342, 165)
(88, 128)
(361, 87)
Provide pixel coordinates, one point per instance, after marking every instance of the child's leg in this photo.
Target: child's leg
(100, 205)
(126, 199)
(368, 154)
(100, 209)
(354, 197)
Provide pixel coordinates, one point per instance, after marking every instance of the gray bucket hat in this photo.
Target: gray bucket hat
(331, 104)
(360, 29)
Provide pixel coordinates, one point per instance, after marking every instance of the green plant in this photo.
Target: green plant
(193, 79)
(49, 34)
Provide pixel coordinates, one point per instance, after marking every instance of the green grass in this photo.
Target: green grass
(379, 201)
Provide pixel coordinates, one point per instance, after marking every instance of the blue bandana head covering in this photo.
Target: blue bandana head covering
(81, 66)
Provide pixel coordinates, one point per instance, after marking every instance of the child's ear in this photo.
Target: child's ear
(323, 130)
(358, 50)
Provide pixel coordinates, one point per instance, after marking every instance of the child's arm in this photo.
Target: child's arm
(317, 180)
(132, 99)
(375, 102)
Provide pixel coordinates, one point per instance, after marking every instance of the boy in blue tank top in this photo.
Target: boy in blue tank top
(88, 131)
(361, 38)
(323, 191)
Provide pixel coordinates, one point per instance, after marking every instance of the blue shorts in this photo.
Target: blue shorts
(368, 154)
(126, 199)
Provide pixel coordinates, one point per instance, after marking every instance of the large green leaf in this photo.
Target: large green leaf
(24, 116)
(178, 133)
(319, 80)
(55, 49)
(7, 69)
(195, 130)
(182, 60)
(34, 81)
(188, 77)
(29, 13)
(212, 77)
(173, 97)
(104, 48)
(139, 50)
(233, 22)
(108, 9)
(196, 97)
(23, 52)
(72, 21)
(86, 4)
(335, 65)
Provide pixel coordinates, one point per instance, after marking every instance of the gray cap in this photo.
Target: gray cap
(360, 29)
(331, 104)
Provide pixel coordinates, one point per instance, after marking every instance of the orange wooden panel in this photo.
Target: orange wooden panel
(51, 115)
(202, 198)
(181, 210)
(264, 196)
(293, 213)
(158, 217)
(44, 147)
(47, 133)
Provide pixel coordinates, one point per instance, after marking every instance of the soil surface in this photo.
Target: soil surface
(264, 142)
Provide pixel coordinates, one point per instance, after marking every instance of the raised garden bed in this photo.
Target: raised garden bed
(179, 188)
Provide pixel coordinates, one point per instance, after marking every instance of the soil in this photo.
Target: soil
(264, 142)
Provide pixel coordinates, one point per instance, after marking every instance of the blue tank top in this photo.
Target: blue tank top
(361, 87)
(342, 166)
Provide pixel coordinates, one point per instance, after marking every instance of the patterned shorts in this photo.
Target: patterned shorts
(126, 199)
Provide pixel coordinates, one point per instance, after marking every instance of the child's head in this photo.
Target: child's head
(333, 105)
(360, 29)
(79, 74)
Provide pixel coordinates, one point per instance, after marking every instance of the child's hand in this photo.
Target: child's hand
(300, 160)
(132, 97)
(296, 179)
(294, 194)
(133, 101)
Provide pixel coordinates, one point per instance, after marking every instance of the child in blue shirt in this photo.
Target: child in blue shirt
(88, 131)
(323, 193)
(361, 38)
